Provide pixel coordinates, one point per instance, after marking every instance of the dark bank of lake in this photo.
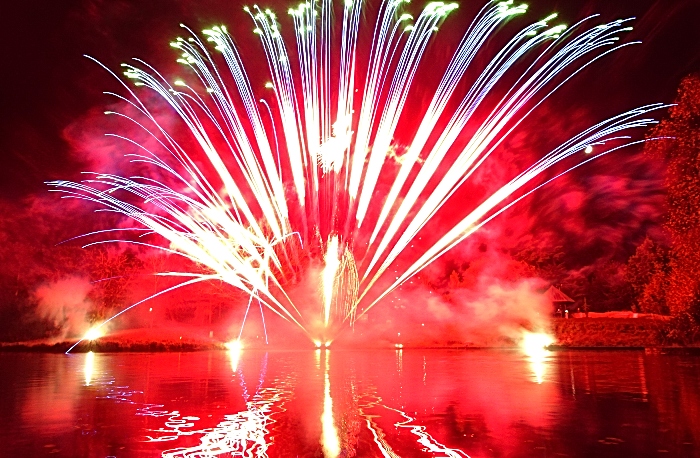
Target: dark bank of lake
(441, 403)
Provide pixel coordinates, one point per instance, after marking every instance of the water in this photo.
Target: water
(478, 403)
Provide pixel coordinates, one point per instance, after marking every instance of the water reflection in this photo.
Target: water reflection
(538, 365)
(89, 367)
(234, 354)
(339, 403)
(243, 433)
(534, 345)
(429, 443)
(370, 410)
(331, 445)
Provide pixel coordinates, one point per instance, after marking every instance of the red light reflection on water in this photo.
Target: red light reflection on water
(336, 404)
(244, 433)
(349, 406)
(352, 403)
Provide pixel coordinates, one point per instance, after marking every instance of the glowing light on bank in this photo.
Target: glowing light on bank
(257, 193)
(93, 334)
(534, 344)
(234, 345)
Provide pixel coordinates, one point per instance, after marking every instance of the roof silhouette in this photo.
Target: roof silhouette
(555, 295)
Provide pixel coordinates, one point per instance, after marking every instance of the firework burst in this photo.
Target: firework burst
(294, 176)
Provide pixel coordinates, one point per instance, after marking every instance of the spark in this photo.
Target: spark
(329, 274)
(261, 191)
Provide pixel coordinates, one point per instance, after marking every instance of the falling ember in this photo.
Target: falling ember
(329, 273)
(258, 189)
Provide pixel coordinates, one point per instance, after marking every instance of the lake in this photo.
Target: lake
(411, 402)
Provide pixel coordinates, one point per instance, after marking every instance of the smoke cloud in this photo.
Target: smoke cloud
(65, 304)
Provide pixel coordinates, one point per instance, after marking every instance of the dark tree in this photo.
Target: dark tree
(607, 288)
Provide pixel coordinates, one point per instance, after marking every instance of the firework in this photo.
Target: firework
(262, 189)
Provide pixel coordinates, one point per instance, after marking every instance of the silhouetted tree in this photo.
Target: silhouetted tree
(608, 288)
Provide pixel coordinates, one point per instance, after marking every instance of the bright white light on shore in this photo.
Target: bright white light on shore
(317, 343)
(93, 334)
(535, 344)
(398, 345)
(589, 149)
(327, 344)
(234, 345)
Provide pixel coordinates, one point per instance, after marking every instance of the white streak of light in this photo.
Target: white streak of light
(329, 273)
(331, 444)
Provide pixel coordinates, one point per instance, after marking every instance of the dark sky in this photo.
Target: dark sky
(47, 84)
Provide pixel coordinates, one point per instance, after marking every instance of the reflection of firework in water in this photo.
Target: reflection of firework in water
(269, 192)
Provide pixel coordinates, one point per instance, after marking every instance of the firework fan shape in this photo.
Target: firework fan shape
(295, 174)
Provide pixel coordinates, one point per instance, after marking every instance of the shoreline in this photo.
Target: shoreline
(189, 347)
(570, 334)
